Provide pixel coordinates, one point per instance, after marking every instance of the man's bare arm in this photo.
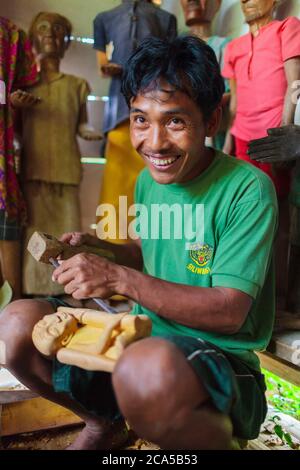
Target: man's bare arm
(292, 72)
(218, 309)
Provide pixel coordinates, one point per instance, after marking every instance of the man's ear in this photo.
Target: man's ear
(213, 124)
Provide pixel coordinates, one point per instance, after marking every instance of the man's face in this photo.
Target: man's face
(255, 9)
(198, 11)
(168, 131)
(50, 36)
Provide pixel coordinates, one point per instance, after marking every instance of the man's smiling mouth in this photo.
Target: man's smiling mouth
(162, 162)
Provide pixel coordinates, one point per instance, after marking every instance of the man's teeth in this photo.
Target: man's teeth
(160, 162)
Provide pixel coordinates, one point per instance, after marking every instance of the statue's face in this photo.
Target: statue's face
(199, 11)
(54, 332)
(50, 35)
(255, 9)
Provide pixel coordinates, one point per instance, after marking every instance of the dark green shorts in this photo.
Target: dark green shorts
(234, 388)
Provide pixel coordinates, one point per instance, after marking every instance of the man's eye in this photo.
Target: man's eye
(176, 122)
(139, 119)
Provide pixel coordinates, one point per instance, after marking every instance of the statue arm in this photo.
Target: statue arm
(229, 142)
(85, 131)
(281, 145)
(292, 72)
(85, 360)
(107, 69)
(94, 318)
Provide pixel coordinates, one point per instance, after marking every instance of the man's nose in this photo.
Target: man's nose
(157, 140)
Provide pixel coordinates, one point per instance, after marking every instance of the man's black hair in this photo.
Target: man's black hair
(187, 63)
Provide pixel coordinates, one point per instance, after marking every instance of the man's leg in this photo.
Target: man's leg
(26, 363)
(164, 400)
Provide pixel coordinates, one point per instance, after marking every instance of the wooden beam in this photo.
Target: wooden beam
(276, 365)
(34, 415)
(13, 396)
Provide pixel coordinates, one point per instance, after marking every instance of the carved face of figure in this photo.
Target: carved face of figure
(199, 11)
(53, 332)
(50, 35)
(255, 9)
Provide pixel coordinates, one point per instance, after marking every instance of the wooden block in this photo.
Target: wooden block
(34, 415)
(13, 396)
(285, 345)
(257, 444)
(284, 369)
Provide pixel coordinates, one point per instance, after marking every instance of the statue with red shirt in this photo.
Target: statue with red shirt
(262, 67)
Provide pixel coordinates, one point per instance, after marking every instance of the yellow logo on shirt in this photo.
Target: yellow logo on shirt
(201, 256)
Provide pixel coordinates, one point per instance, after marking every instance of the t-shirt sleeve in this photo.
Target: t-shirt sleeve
(100, 39)
(244, 250)
(290, 38)
(228, 67)
(84, 91)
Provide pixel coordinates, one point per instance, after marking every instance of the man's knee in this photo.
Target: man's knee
(16, 324)
(155, 387)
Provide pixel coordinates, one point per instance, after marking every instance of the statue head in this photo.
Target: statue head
(54, 332)
(200, 11)
(50, 34)
(255, 9)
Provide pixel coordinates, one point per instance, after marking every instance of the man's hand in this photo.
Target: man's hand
(85, 276)
(281, 145)
(23, 99)
(76, 238)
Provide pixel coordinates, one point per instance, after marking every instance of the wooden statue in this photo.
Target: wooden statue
(199, 15)
(263, 66)
(52, 169)
(280, 146)
(90, 339)
(114, 45)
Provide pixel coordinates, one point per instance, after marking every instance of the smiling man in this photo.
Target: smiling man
(196, 383)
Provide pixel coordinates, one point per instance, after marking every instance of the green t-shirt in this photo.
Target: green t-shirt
(240, 220)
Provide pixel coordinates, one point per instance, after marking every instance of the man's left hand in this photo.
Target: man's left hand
(86, 276)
